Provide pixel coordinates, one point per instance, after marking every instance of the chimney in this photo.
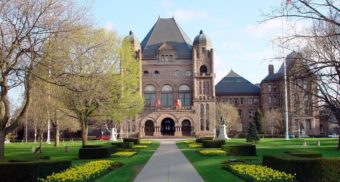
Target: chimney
(270, 69)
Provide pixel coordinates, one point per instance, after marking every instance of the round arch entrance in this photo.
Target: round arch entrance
(186, 128)
(149, 128)
(168, 127)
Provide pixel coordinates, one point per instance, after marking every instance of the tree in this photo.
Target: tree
(319, 46)
(229, 114)
(25, 25)
(252, 133)
(92, 82)
(258, 121)
(273, 122)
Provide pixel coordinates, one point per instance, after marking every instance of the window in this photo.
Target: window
(242, 101)
(203, 70)
(270, 99)
(177, 73)
(146, 73)
(149, 97)
(307, 104)
(156, 73)
(269, 88)
(240, 114)
(167, 96)
(308, 124)
(250, 101)
(236, 101)
(297, 104)
(207, 117)
(202, 117)
(297, 124)
(274, 88)
(184, 95)
(162, 58)
(250, 113)
(187, 73)
(256, 101)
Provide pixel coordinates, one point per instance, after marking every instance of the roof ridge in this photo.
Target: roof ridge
(150, 33)
(181, 31)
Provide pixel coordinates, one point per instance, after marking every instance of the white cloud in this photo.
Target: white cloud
(188, 15)
(264, 29)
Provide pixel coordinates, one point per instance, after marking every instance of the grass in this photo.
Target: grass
(210, 168)
(126, 173)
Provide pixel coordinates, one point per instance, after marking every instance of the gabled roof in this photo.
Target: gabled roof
(234, 84)
(166, 30)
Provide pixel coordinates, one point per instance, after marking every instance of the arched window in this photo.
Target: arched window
(203, 69)
(207, 117)
(149, 97)
(146, 73)
(177, 73)
(167, 96)
(202, 118)
(184, 94)
(156, 73)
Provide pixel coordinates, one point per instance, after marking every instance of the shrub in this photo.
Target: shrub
(85, 172)
(125, 145)
(200, 140)
(134, 140)
(140, 146)
(306, 169)
(30, 171)
(145, 142)
(195, 145)
(124, 154)
(213, 143)
(304, 154)
(95, 152)
(240, 149)
(210, 152)
(253, 172)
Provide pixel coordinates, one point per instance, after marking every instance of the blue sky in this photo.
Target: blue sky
(241, 43)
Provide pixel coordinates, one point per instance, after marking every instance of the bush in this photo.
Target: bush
(240, 149)
(213, 143)
(134, 140)
(304, 154)
(124, 154)
(211, 152)
(86, 172)
(95, 152)
(30, 171)
(200, 140)
(140, 146)
(195, 145)
(306, 169)
(125, 145)
(253, 172)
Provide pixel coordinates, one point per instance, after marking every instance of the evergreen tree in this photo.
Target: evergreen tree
(252, 133)
(258, 121)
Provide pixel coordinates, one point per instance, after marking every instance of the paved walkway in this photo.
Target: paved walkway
(168, 164)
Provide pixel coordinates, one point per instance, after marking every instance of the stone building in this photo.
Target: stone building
(177, 83)
(242, 94)
(178, 88)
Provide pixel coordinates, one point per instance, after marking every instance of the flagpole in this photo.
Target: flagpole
(285, 73)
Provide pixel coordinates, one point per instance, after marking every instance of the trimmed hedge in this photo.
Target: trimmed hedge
(200, 140)
(304, 154)
(125, 145)
(306, 169)
(30, 171)
(240, 149)
(134, 140)
(213, 143)
(95, 152)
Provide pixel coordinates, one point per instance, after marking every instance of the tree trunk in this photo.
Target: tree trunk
(41, 133)
(2, 144)
(84, 133)
(56, 133)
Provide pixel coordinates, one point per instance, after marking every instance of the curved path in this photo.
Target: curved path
(168, 164)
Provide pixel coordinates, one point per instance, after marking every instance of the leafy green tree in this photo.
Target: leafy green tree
(252, 133)
(259, 121)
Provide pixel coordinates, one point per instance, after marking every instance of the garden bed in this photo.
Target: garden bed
(211, 152)
(124, 154)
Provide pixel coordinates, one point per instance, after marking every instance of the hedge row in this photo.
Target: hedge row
(134, 140)
(30, 171)
(213, 143)
(306, 169)
(200, 140)
(304, 154)
(240, 149)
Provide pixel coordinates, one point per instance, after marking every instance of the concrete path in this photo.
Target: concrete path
(168, 164)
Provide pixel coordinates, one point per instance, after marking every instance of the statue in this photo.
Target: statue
(113, 134)
(223, 132)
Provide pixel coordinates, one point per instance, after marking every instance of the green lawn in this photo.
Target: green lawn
(210, 167)
(131, 167)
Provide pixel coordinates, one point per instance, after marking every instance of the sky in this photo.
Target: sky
(240, 41)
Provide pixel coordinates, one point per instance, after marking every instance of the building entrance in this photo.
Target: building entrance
(168, 127)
